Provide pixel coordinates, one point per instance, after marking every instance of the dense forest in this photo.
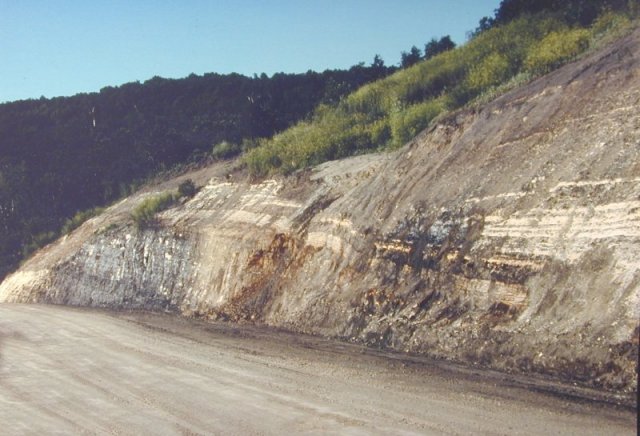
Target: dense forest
(62, 156)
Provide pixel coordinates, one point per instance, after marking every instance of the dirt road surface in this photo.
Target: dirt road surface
(75, 371)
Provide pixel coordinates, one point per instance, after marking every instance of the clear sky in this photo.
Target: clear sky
(62, 47)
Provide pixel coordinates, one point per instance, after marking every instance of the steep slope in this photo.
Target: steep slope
(68, 154)
(507, 236)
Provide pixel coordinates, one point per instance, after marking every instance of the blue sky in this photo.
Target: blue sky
(62, 47)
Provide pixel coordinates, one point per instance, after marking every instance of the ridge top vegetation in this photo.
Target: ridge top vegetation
(387, 113)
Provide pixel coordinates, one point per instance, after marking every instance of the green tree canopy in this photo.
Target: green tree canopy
(437, 46)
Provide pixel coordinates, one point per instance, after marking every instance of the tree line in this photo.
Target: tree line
(391, 111)
(63, 155)
(62, 158)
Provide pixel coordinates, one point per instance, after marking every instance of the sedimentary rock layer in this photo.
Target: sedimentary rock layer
(506, 236)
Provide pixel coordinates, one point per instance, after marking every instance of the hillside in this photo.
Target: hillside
(63, 159)
(388, 113)
(64, 155)
(503, 236)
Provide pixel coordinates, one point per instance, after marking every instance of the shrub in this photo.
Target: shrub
(145, 214)
(611, 25)
(391, 111)
(79, 218)
(249, 143)
(493, 70)
(380, 132)
(407, 123)
(555, 49)
(225, 150)
(429, 79)
(38, 241)
(187, 189)
(263, 159)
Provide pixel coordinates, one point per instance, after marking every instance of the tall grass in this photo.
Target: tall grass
(388, 113)
(145, 214)
(79, 218)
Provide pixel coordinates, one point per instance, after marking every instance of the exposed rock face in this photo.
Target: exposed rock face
(507, 237)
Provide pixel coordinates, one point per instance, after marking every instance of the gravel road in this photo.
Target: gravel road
(77, 371)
